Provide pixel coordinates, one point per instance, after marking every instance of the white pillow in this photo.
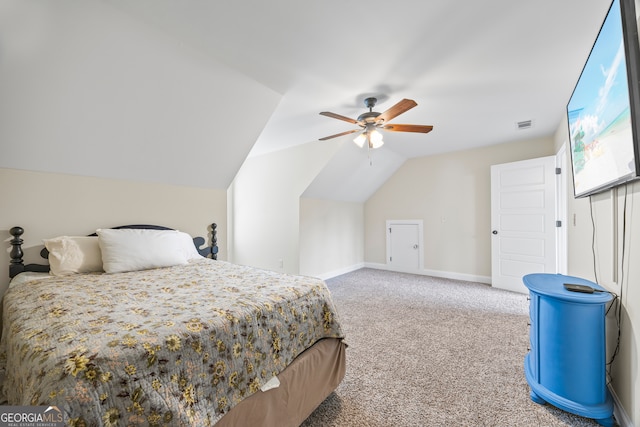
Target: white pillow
(73, 254)
(188, 247)
(139, 249)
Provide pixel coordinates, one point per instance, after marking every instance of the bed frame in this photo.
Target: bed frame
(17, 265)
(304, 384)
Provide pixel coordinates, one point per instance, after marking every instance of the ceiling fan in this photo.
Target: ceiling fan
(371, 121)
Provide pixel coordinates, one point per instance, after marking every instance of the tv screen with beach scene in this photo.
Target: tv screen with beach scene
(603, 109)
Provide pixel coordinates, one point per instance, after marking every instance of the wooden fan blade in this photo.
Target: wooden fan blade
(408, 128)
(401, 107)
(339, 117)
(340, 134)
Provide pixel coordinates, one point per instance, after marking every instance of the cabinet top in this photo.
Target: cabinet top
(553, 285)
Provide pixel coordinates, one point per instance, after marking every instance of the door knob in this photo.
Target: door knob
(415, 246)
(494, 232)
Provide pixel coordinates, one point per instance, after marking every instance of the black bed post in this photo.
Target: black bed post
(214, 241)
(16, 265)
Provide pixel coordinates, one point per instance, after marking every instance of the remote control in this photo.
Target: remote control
(574, 287)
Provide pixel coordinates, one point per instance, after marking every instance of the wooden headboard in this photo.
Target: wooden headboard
(17, 265)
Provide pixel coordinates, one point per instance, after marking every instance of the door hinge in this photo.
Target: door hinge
(558, 171)
(389, 229)
(390, 258)
(558, 223)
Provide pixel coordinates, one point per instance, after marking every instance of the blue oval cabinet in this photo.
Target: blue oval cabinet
(567, 359)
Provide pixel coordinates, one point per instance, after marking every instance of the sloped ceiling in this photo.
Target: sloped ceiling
(353, 176)
(85, 89)
(474, 68)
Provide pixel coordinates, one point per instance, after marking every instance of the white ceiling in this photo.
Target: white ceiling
(475, 68)
(188, 88)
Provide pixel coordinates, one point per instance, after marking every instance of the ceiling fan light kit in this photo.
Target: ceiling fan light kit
(375, 139)
(371, 136)
(371, 121)
(360, 140)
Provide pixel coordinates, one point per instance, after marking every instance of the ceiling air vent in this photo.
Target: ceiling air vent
(525, 124)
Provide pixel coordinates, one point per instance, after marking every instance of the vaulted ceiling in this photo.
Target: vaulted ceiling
(475, 69)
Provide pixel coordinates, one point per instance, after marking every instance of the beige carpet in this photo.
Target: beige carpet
(425, 351)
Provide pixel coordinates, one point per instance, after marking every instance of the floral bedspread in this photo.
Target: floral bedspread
(170, 346)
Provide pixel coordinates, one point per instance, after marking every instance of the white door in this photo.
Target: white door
(522, 221)
(404, 245)
(562, 237)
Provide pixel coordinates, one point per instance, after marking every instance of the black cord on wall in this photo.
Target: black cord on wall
(617, 299)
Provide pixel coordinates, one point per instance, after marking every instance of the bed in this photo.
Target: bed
(157, 339)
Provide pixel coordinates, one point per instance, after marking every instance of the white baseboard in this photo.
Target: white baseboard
(618, 411)
(341, 271)
(434, 273)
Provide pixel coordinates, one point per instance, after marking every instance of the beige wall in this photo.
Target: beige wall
(617, 268)
(331, 237)
(451, 193)
(265, 205)
(49, 204)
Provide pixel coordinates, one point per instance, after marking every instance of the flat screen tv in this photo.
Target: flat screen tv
(604, 106)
